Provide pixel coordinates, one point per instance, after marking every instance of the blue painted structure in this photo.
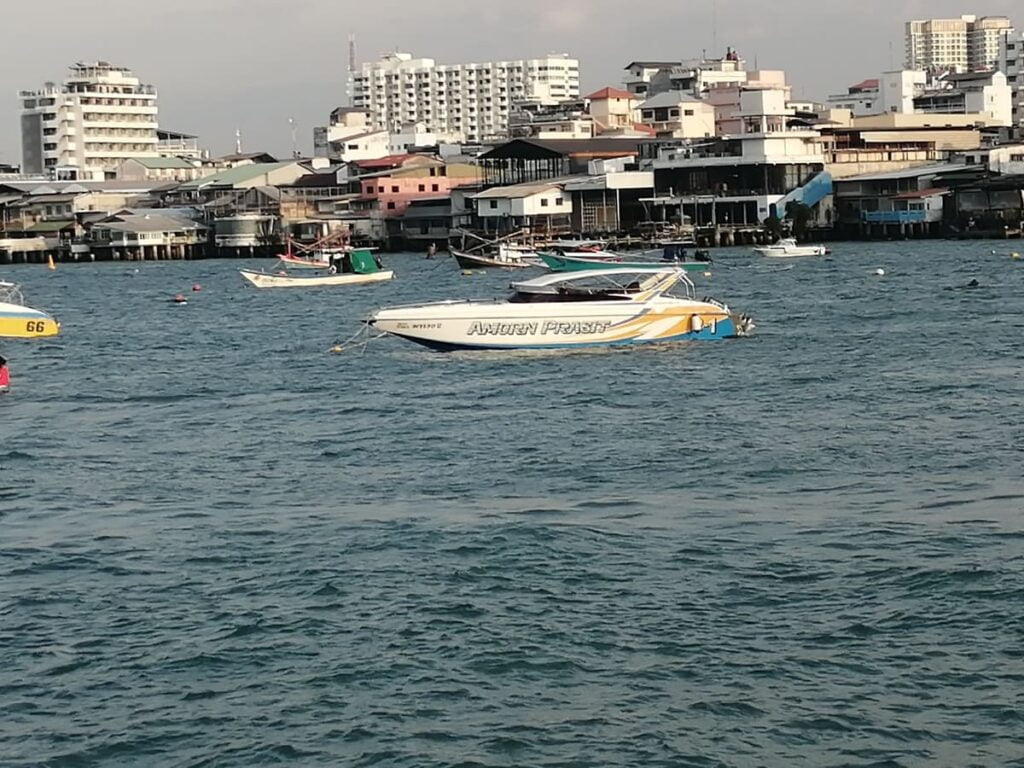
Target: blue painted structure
(894, 217)
(810, 194)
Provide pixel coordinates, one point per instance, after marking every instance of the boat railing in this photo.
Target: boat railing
(10, 293)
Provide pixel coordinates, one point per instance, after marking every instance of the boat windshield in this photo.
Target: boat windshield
(11, 294)
(599, 286)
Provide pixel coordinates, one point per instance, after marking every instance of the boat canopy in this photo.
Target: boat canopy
(363, 262)
(603, 284)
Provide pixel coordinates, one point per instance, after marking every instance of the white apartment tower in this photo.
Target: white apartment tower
(98, 118)
(1011, 63)
(472, 99)
(967, 44)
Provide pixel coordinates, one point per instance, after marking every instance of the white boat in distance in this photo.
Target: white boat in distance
(582, 309)
(788, 247)
(270, 280)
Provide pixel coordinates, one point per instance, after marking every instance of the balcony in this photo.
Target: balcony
(894, 217)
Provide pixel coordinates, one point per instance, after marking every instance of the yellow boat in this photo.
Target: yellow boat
(20, 322)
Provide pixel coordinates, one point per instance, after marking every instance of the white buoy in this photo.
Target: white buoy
(880, 272)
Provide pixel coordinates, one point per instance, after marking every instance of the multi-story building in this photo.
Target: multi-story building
(967, 44)
(472, 99)
(1011, 63)
(86, 127)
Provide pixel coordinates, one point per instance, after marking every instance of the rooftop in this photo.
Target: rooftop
(237, 175)
(610, 93)
(667, 99)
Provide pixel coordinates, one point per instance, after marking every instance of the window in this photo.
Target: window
(353, 146)
(443, 171)
(673, 113)
(544, 202)
(494, 204)
(391, 205)
(423, 187)
(433, 171)
(394, 189)
(433, 187)
(380, 189)
(559, 201)
(688, 112)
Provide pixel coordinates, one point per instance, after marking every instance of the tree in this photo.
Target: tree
(800, 215)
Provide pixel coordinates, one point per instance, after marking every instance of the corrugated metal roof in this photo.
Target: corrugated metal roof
(237, 175)
(667, 99)
(910, 173)
(163, 163)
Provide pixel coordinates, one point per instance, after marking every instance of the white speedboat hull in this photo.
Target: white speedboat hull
(791, 251)
(503, 325)
(266, 280)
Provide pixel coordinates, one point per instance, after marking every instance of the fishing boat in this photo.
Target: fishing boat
(788, 248)
(303, 262)
(18, 321)
(503, 258)
(577, 263)
(317, 255)
(354, 268)
(582, 309)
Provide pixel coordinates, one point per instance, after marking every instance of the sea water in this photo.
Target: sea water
(223, 545)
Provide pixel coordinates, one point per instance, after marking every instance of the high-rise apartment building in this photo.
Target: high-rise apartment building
(1011, 63)
(84, 128)
(472, 99)
(967, 44)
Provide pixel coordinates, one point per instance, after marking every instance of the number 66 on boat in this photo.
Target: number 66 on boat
(614, 307)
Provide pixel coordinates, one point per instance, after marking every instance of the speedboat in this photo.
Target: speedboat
(18, 321)
(351, 268)
(788, 247)
(580, 309)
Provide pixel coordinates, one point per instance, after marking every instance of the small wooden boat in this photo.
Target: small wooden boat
(269, 280)
(504, 259)
(352, 268)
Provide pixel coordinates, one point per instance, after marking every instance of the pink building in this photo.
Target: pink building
(391, 183)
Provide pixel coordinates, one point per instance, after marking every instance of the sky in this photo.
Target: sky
(253, 64)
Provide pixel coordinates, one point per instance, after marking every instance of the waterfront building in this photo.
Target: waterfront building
(898, 203)
(736, 182)
(474, 100)
(614, 110)
(967, 44)
(674, 114)
(527, 160)
(389, 184)
(891, 142)
(1011, 62)
(84, 128)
